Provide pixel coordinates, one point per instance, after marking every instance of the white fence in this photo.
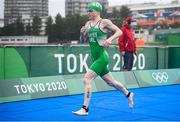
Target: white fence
(23, 39)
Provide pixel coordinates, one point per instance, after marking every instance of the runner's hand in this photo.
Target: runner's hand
(106, 43)
(83, 29)
(123, 53)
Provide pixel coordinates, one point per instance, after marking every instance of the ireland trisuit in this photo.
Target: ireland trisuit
(99, 55)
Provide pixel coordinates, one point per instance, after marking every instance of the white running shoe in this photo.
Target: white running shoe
(81, 112)
(131, 101)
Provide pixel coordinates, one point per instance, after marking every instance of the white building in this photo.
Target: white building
(79, 6)
(14, 9)
(1, 23)
(26, 20)
(153, 13)
(26, 10)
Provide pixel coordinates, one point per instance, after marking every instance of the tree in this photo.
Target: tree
(104, 13)
(36, 26)
(28, 29)
(115, 13)
(19, 27)
(9, 30)
(49, 28)
(175, 25)
(115, 16)
(59, 28)
(124, 13)
(118, 16)
(73, 25)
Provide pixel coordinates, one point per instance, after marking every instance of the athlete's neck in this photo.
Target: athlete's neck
(96, 18)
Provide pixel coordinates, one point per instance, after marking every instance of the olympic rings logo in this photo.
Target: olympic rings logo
(160, 77)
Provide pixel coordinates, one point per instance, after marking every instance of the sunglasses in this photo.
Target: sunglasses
(89, 10)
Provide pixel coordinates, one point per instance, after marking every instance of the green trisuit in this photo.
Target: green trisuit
(99, 55)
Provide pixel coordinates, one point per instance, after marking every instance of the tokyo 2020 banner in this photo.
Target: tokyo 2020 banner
(47, 71)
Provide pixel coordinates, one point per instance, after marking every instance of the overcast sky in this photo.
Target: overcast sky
(58, 6)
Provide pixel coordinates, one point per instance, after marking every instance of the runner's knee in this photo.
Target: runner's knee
(86, 81)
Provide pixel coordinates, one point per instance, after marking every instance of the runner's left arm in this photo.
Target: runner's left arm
(112, 27)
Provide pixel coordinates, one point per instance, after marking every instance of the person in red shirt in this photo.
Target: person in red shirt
(127, 43)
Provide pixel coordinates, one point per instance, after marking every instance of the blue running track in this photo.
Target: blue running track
(151, 104)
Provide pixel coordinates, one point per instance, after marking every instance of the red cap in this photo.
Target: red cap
(129, 19)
